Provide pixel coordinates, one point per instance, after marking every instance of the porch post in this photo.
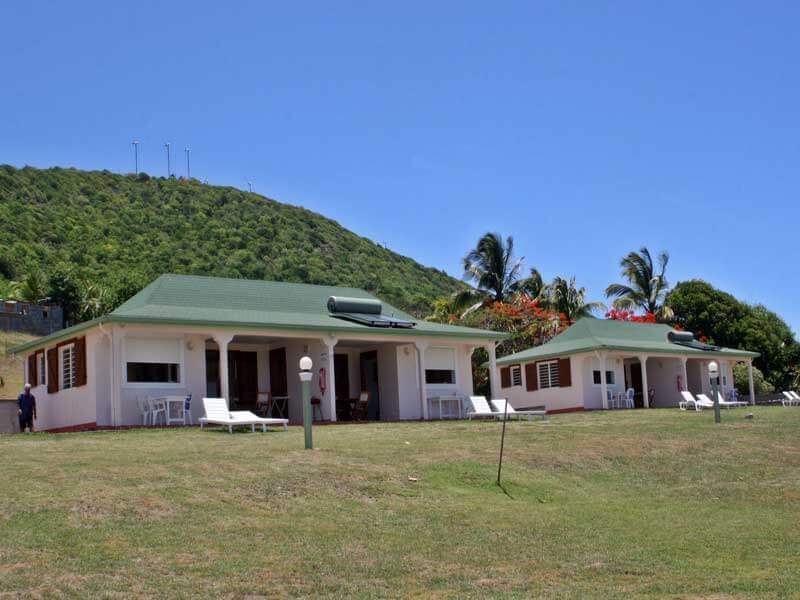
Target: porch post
(603, 382)
(750, 381)
(330, 393)
(684, 375)
(494, 376)
(223, 339)
(423, 388)
(645, 387)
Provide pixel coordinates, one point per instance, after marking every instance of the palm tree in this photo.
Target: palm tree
(33, 288)
(491, 266)
(532, 285)
(648, 286)
(564, 297)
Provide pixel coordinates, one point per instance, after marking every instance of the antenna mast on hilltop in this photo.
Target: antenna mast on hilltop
(188, 171)
(135, 144)
(169, 170)
(250, 186)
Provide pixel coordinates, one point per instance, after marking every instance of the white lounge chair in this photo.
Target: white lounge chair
(730, 403)
(690, 401)
(481, 408)
(709, 403)
(217, 413)
(789, 399)
(796, 396)
(500, 407)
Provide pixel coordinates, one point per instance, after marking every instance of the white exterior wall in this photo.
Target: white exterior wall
(108, 399)
(75, 406)
(593, 393)
(561, 398)
(662, 376)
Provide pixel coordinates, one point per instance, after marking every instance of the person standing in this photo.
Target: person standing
(27, 409)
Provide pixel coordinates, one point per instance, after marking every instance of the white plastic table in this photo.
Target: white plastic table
(169, 402)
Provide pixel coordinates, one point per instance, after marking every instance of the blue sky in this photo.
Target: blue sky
(583, 129)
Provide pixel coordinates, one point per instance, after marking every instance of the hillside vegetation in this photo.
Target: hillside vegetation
(12, 366)
(102, 224)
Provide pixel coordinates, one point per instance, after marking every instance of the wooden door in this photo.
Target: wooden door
(341, 372)
(369, 383)
(636, 384)
(243, 379)
(277, 372)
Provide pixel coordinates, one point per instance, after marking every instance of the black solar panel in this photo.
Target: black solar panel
(375, 320)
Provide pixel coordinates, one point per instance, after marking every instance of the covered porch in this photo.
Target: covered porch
(657, 380)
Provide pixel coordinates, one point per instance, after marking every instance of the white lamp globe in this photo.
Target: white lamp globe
(713, 368)
(306, 364)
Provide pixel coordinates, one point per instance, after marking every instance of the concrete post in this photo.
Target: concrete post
(330, 392)
(603, 382)
(494, 375)
(423, 388)
(222, 341)
(750, 381)
(645, 386)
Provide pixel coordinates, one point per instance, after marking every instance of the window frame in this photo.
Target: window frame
(453, 371)
(515, 371)
(551, 366)
(156, 384)
(452, 352)
(41, 369)
(609, 381)
(73, 367)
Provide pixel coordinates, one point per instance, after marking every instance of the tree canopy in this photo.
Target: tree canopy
(706, 311)
(110, 231)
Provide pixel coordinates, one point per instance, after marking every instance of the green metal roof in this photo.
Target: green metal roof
(589, 334)
(252, 304)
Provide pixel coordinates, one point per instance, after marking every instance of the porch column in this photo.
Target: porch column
(750, 381)
(330, 392)
(684, 375)
(494, 376)
(222, 340)
(645, 387)
(423, 388)
(603, 382)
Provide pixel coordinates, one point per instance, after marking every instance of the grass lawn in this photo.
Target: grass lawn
(652, 504)
(12, 368)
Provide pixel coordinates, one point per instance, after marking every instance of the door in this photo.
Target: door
(213, 388)
(341, 372)
(277, 372)
(636, 384)
(369, 383)
(243, 377)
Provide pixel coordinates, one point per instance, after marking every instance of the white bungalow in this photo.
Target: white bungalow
(595, 358)
(242, 340)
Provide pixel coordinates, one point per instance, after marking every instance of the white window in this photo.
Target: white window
(440, 366)
(548, 374)
(68, 371)
(153, 360)
(41, 373)
(516, 375)
(609, 377)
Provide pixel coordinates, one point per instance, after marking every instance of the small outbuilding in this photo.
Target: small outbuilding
(595, 362)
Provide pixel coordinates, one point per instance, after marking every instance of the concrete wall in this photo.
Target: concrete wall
(9, 422)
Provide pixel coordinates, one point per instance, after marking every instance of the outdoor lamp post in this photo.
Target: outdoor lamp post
(305, 382)
(713, 374)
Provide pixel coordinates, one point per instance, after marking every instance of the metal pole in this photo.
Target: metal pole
(169, 170)
(188, 171)
(714, 383)
(136, 154)
(502, 440)
(305, 381)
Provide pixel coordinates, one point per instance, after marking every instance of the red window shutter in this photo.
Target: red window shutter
(80, 362)
(52, 370)
(32, 370)
(531, 377)
(564, 373)
(505, 377)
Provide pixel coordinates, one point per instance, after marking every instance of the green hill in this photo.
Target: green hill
(104, 224)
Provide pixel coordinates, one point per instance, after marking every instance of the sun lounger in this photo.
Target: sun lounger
(481, 408)
(730, 403)
(796, 395)
(217, 413)
(709, 403)
(789, 399)
(690, 401)
(502, 406)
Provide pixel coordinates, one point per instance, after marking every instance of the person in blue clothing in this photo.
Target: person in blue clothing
(27, 409)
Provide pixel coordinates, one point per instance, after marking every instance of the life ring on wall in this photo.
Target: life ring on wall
(323, 380)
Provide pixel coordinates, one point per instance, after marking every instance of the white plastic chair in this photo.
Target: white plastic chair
(629, 393)
(157, 408)
(144, 410)
(611, 399)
